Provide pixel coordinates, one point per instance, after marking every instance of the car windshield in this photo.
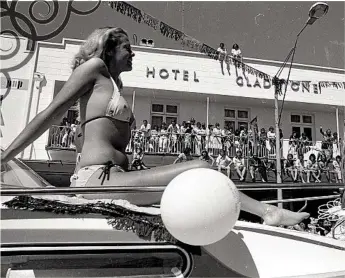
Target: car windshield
(15, 174)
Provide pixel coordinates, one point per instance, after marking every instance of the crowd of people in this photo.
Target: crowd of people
(229, 150)
(175, 138)
(63, 135)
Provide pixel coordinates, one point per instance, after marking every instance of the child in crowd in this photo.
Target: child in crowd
(289, 166)
(239, 165)
(299, 165)
(137, 162)
(312, 168)
(206, 157)
(337, 169)
(185, 156)
(224, 162)
(256, 164)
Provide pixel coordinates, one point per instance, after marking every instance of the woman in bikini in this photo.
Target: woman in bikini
(106, 120)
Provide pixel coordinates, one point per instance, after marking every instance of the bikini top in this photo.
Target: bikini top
(117, 108)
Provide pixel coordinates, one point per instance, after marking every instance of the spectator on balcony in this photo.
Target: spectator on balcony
(289, 167)
(217, 139)
(145, 130)
(236, 52)
(173, 130)
(327, 142)
(223, 58)
(138, 160)
(336, 148)
(312, 169)
(237, 142)
(304, 144)
(192, 122)
(184, 156)
(188, 135)
(202, 132)
(243, 137)
(337, 169)
(163, 138)
(256, 164)
(240, 166)
(263, 137)
(299, 165)
(197, 138)
(209, 138)
(226, 139)
(271, 136)
(281, 137)
(154, 139)
(250, 141)
(293, 144)
(224, 162)
(206, 157)
(323, 165)
(293, 138)
(73, 133)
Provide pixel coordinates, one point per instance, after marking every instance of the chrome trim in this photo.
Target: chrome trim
(187, 255)
(81, 190)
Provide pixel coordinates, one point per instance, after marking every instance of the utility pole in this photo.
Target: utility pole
(277, 90)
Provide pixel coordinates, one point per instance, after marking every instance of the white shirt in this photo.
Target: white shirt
(271, 135)
(223, 161)
(238, 161)
(145, 129)
(235, 52)
(222, 53)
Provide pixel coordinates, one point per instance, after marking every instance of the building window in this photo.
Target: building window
(295, 118)
(302, 124)
(163, 113)
(236, 118)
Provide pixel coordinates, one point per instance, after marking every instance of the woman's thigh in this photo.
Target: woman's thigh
(158, 176)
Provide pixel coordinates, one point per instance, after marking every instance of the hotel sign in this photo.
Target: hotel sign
(14, 83)
(175, 74)
(266, 84)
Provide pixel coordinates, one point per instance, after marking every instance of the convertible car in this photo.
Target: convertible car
(47, 235)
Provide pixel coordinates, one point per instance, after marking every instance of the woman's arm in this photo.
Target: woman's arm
(81, 80)
(212, 159)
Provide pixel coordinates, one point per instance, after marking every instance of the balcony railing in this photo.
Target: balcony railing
(62, 137)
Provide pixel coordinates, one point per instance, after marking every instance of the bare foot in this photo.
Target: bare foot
(276, 217)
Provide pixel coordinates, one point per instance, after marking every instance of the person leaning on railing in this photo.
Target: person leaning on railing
(327, 142)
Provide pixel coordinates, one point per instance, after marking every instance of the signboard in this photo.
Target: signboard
(14, 83)
(175, 74)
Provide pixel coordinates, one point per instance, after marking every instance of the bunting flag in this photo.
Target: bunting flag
(191, 43)
(172, 33)
(150, 21)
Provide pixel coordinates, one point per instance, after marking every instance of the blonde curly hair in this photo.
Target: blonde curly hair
(97, 45)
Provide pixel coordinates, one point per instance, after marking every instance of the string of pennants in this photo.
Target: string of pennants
(142, 17)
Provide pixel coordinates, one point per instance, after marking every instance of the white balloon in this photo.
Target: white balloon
(200, 206)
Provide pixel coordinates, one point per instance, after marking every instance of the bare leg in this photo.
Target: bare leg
(239, 173)
(164, 174)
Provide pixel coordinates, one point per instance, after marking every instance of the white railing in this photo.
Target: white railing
(175, 143)
(61, 137)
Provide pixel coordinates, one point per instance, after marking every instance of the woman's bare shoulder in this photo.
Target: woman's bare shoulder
(95, 65)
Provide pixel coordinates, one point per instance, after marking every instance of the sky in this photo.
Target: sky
(263, 30)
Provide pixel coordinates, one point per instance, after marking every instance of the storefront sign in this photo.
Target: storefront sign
(174, 73)
(295, 86)
(14, 83)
